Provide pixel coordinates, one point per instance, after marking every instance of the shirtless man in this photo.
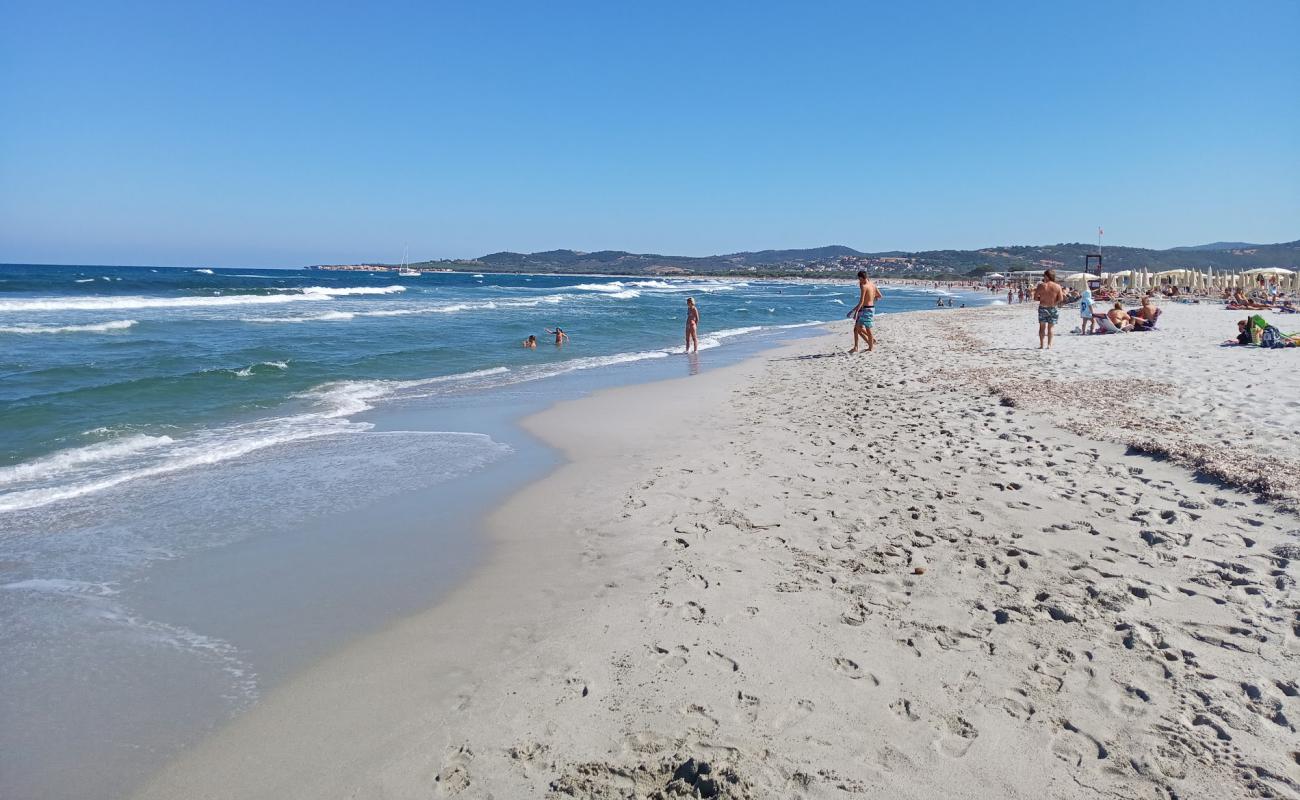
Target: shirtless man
(1050, 296)
(864, 313)
(692, 325)
(1145, 316)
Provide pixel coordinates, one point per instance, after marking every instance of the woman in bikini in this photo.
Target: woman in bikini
(692, 326)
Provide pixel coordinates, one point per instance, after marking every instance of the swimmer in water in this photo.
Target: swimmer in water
(560, 336)
(531, 342)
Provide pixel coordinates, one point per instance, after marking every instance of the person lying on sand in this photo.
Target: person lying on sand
(1240, 301)
(1243, 333)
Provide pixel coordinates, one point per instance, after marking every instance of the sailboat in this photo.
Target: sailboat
(404, 271)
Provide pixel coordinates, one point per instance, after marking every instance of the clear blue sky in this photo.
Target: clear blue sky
(287, 133)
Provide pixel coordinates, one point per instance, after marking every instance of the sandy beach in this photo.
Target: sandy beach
(956, 567)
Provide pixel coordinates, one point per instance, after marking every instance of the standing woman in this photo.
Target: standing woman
(692, 325)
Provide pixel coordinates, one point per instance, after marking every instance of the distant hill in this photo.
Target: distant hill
(838, 259)
(1221, 246)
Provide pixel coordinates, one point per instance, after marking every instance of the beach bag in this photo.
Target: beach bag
(1272, 337)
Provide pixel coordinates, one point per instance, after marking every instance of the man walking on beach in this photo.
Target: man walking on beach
(864, 313)
(1050, 296)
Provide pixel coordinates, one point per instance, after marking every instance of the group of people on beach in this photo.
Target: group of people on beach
(1051, 297)
(692, 331)
(1266, 296)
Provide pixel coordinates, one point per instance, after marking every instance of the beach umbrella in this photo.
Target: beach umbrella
(1269, 271)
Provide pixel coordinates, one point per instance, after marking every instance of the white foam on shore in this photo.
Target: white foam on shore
(616, 288)
(104, 303)
(59, 463)
(94, 327)
(61, 586)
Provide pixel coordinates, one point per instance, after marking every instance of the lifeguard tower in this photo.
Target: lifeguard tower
(1094, 281)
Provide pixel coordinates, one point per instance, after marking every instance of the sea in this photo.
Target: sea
(209, 477)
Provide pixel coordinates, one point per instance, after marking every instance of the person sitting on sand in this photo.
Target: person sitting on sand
(531, 342)
(1145, 318)
(560, 336)
(1119, 317)
(692, 325)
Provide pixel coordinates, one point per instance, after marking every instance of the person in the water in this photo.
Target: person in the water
(560, 336)
(692, 326)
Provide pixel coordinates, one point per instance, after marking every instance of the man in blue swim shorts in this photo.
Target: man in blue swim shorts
(864, 313)
(1050, 296)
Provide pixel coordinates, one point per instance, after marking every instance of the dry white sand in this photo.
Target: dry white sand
(947, 569)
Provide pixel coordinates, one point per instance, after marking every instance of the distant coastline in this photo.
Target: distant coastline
(841, 261)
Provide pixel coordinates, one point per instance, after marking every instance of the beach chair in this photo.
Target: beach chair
(1104, 325)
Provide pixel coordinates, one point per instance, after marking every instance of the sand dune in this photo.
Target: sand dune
(927, 572)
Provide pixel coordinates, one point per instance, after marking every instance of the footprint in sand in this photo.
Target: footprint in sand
(453, 778)
(848, 667)
(747, 704)
(902, 707)
(674, 658)
(726, 662)
(957, 737)
(1075, 747)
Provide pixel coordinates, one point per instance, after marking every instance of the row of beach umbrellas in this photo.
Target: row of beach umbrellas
(1189, 279)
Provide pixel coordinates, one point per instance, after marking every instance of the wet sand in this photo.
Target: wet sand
(955, 567)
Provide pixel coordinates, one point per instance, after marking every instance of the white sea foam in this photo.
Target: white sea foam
(95, 327)
(59, 463)
(61, 586)
(204, 271)
(83, 476)
(84, 280)
(247, 372)
(345, 398)
(102, 303)
(629, 294)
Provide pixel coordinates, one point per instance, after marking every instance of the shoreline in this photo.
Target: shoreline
(437, 703)
(516, 564)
